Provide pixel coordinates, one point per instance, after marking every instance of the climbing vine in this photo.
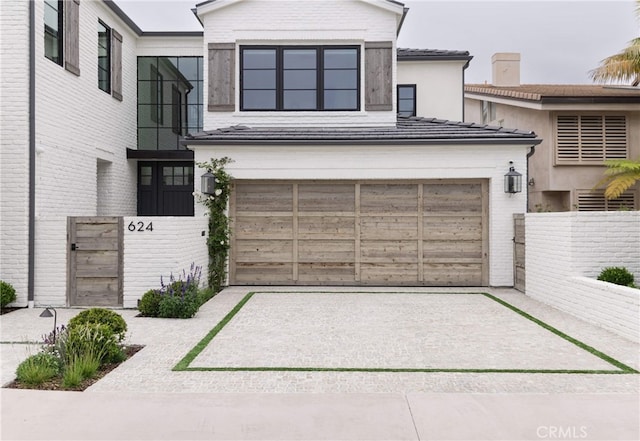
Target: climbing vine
(218, 240)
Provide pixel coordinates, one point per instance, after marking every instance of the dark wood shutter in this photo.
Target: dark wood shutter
(378, 65)
(116, 65)
(72, 36)
(222, 86)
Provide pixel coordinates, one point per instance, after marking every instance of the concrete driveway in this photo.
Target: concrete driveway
(297, 363)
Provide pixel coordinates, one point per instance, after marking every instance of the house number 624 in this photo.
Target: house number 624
(140, 226)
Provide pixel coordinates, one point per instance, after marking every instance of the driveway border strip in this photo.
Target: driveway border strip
(183, 364)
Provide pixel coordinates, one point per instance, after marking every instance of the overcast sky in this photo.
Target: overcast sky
(559, 41)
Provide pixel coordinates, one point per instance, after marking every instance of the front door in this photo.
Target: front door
(95, 261)
(165, 188)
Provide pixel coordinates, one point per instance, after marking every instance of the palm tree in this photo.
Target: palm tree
(620, 175)
(623, 66)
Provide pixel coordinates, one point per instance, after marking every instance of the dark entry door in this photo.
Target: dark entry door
(165, 188)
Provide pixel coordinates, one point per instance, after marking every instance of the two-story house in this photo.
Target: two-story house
(581, 127)
(351, 165)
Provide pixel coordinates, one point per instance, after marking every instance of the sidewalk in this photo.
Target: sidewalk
(145, 399)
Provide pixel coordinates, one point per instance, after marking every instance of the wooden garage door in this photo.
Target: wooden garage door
(430, 233)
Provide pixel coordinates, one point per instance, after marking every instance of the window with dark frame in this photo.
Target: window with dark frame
(288, 78)
(164, 118)
(407, 99)
(104, 57)
(53, 30)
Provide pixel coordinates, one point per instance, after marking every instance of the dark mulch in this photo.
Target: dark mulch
(56, 383)
(7, 310)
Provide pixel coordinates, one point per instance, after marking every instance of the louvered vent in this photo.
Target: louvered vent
(590, 138)
(588, 201)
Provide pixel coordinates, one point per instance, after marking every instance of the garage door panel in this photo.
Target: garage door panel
(429, 233)
(452, 249)
(326, 272)
(264, 197)
(389, 251)
(388, 198)
(326, 251)
(326, 198)
(442, 228)
(386, 274)
(326, 227)
(389, 227)
(259, 227)
(452, 198)
(452, 274)
(263, 273)
(258, 250)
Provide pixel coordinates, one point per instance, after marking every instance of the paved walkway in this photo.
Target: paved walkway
(145, 399)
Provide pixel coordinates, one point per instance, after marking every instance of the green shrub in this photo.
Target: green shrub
(111, 319)
(204, 295)
(618, 275)
(179, 306)
(38, 368)
(149, 305)
(7, 293)
(72, 376)
(89, 339)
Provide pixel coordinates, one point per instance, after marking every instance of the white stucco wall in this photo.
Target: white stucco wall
(394, 163)
(14, 145)
(309, 22)
(565, 252)
(174, 244)
(439, 87)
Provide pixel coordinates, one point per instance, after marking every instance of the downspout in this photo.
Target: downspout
(32, 154)
(530, 154)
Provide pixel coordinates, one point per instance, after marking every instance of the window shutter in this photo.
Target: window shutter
(595, 201)
(72, 36)
(378, 65)
(590, 138)
(116, 65)
(222, 88)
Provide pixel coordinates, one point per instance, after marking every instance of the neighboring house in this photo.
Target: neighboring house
(581, 127)
(331, 185)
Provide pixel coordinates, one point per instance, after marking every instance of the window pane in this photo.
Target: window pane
(300, 79)
(167, 139)
(259, 99)
(148, 139)
(145, 175)
(51, 15)
(340, 100)
(405, 106)
(188, 67)
(259, 79)
(405, 92)
(340, 58)
(341, 79)
(144, 92)
(145, 112)
(300, 59)
(144, 68)
(259, 59)
(300, 100)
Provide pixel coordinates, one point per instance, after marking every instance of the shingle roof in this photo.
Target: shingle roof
(405, 54)
(560, 93)
(408, 130)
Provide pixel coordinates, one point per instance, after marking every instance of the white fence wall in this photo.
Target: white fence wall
(173, 245)
(565, 252)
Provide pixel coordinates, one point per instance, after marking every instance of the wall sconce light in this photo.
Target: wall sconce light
(532, 182)
(46, 314)
(512, 180)
(208, 183)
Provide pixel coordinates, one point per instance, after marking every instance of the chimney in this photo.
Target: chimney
(505, 69)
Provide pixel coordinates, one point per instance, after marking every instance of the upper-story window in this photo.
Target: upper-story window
(104, 57)
(170, 99)
(287, 78)
(589, 139)
(53, 26)
(488, 112)
(407, 99)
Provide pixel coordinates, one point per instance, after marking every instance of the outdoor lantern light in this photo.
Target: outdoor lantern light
(47, 313)
(208, 183)
(512, 180)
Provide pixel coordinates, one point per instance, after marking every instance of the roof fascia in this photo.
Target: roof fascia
(516, 142)
(213, 5)
(623, 103)
(124, 17)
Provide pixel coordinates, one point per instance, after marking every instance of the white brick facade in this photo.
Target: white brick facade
(565, 252)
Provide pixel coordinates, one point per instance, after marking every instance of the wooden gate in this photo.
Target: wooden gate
(95, 256)
(518, 253)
